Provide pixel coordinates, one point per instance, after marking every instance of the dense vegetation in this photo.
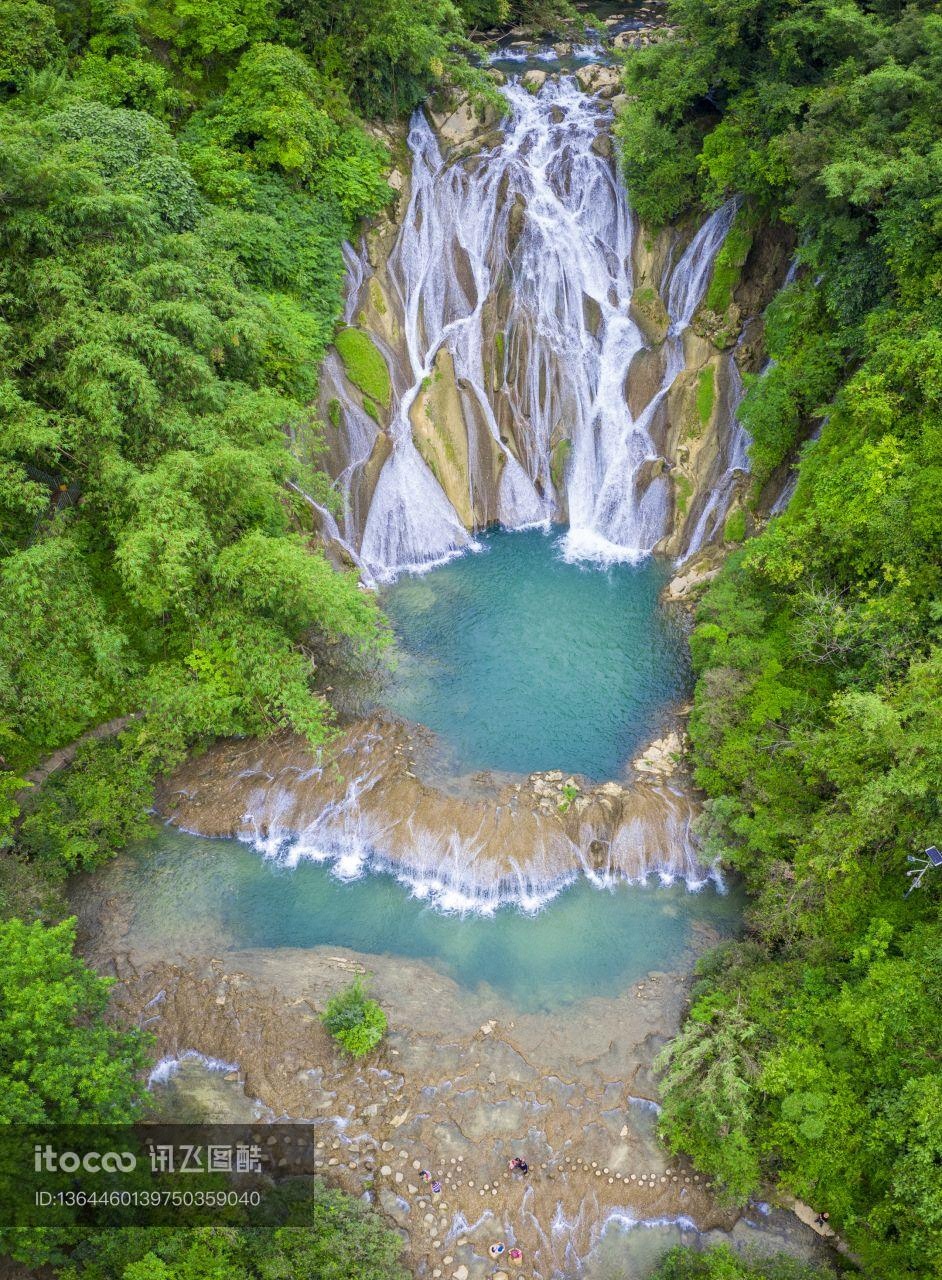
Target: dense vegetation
(355, 1021)
(332, 1237)
(813, 1052)
(59, 1062)
(721, 1263)
(176, 182)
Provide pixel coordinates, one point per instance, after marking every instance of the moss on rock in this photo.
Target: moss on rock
(706, 394)
(729, 263)
(735, 527)
(559, 457)
(364, 365)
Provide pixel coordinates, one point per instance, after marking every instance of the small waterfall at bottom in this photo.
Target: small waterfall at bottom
(512, 277)
(363, 809)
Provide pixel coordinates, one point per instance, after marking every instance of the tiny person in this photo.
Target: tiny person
(517, 1165)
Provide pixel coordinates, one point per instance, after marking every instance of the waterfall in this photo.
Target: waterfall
(613, 520)
(517, 265)
(733, 461)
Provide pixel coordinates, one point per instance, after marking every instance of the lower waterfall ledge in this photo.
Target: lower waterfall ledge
(468, 844)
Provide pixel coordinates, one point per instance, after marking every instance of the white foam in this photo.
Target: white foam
(167, 1068)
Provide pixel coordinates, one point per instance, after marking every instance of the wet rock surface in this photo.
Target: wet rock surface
(484, 834)
(463, 1083)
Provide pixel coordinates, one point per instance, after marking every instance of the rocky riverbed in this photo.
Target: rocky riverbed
(463, 1082)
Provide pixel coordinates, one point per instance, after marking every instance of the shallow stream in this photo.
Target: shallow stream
(220, 896)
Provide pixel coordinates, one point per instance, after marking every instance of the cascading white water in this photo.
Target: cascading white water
(532, 243)
(611, 519)
(734, 461)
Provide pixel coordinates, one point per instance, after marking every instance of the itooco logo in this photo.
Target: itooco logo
(47, 1160)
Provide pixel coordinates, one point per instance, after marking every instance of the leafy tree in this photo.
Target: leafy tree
(29, 41)
(59, 1061)
(720, 1263)
(211, 30)
(394, 52)
(331, 1237)
(356, 1022)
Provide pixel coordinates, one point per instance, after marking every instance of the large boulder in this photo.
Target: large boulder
(649, 314)
(602, 146)
(594, 78)
(690, 582)
(643, 379)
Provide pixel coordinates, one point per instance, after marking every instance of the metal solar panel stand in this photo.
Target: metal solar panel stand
(930, 859)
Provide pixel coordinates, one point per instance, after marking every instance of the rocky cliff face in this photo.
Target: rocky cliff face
(511, 428)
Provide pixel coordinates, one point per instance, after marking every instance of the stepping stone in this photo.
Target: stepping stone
(413, 1190)
(417, 1164)
(385, 1171)
(387, 1146)
(398, 1177)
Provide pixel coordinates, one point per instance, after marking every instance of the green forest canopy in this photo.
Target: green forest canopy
(813, 1052)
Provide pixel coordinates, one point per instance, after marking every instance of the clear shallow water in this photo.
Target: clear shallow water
(193, 895)
(522, 661)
